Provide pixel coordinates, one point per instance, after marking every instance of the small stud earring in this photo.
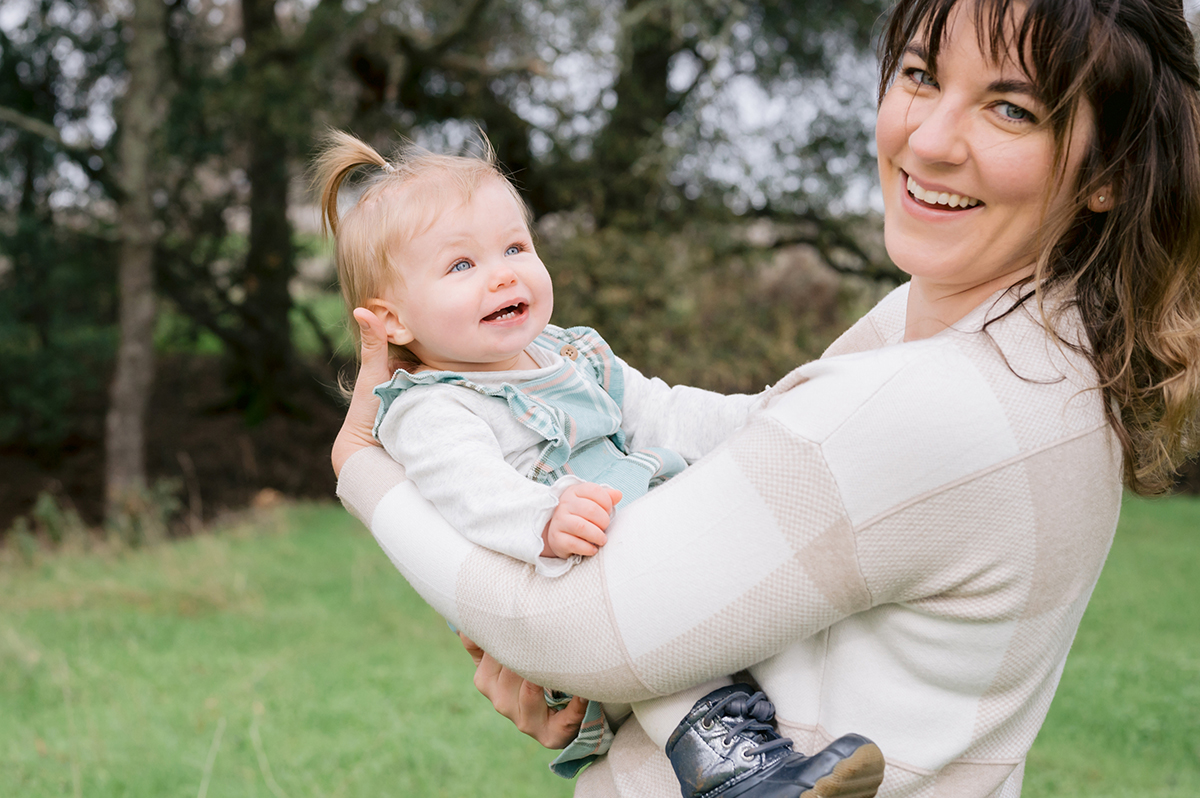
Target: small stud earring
(1100, 199)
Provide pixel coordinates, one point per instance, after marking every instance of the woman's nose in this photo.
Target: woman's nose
(938, 133)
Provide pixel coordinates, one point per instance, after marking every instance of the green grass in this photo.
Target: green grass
(1126, 720)
(289, 654)
(284, 656)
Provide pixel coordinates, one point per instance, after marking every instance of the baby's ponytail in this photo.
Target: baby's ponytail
(339, 156)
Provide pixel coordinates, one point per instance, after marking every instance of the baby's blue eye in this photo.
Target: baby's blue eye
(460, 266)
(513, 250)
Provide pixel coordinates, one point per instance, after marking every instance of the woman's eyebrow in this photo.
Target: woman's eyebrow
(1003, 86)
(1014, 87)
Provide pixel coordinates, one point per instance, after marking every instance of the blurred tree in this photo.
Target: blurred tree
(629, 117)
(235, 132)
(139, 116)
(622, 108)
(59, 62)
(61, 40)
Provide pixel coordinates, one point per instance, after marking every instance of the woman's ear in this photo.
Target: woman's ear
(393, 320)
(1102, 200)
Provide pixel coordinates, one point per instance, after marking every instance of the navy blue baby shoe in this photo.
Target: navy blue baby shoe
(727, 748)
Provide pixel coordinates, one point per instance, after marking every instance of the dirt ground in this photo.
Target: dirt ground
(218, 461)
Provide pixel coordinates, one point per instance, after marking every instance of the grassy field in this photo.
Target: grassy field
(283, 656)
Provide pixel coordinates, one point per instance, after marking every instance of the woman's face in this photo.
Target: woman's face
(968, 176)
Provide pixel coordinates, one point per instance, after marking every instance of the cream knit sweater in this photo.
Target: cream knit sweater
(901, 545)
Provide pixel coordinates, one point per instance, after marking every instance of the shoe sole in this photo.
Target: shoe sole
(857, 776)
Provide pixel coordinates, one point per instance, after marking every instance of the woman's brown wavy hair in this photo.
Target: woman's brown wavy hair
(1133, 272)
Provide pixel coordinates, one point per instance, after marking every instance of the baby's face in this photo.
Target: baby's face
(475, 293)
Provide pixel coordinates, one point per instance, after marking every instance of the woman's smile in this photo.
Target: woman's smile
(934, 196)
(968, 174)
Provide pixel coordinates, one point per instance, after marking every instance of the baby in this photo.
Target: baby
(528, 437)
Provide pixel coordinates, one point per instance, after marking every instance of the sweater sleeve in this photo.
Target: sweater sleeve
(589, 631)
(456, 462)
(861, 486)
(691, 421)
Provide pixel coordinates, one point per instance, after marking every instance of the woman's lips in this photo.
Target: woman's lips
(939, 199)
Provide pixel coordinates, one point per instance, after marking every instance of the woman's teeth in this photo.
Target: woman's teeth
(940, 197)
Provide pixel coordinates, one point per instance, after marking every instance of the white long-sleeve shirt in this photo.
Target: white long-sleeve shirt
(473, 442)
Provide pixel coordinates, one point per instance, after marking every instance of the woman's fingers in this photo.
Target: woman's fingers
(562, 726)
(523, 702)
(374, 349)
(474, 650)
(355, 433)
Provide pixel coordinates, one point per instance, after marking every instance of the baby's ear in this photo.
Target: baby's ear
(393, 320)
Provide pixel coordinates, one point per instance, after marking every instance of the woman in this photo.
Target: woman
(903, 542)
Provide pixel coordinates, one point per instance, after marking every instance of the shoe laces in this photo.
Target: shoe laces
(756, 713)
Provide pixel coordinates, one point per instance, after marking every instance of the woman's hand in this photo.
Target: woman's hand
(523, 702)
(355, 433)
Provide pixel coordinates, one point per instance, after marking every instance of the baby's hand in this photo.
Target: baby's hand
(579, 521)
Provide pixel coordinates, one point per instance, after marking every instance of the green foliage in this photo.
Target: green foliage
(57, 334)
(144, 515)
(699, 306)
(56, 521)
(56, 269)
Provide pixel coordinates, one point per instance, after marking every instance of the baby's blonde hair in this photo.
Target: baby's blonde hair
(401, 201)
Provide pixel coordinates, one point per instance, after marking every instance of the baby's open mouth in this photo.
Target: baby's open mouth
(505, 313)
(939, 199)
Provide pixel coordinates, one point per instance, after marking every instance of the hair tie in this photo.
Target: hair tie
(387, 167)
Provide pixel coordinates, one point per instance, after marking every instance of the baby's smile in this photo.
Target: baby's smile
(508, 312)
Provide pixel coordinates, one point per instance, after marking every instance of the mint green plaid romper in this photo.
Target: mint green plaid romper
(577, 410)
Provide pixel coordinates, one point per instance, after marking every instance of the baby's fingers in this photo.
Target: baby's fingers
(564, 544)
(602, 496)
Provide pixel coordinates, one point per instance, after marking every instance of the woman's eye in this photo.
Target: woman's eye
(920, 76)
(460, 266)
(513, 250)
(1014, 113)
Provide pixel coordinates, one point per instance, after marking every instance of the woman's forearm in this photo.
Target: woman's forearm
(702, 549)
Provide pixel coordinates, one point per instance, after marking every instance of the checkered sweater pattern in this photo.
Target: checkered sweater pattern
(900, 544)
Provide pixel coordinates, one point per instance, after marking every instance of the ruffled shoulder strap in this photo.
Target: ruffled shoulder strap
(583, 344)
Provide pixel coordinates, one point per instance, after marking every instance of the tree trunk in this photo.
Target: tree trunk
(270, 261)
(139, 117)
(632, 171)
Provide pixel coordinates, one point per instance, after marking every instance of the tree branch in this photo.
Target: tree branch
(81, 153)
(480, 66)
(35, 126)
(465, 22)
(828, 239)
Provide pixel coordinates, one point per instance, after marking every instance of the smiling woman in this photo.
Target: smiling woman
(902, 541)
(968, 172)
